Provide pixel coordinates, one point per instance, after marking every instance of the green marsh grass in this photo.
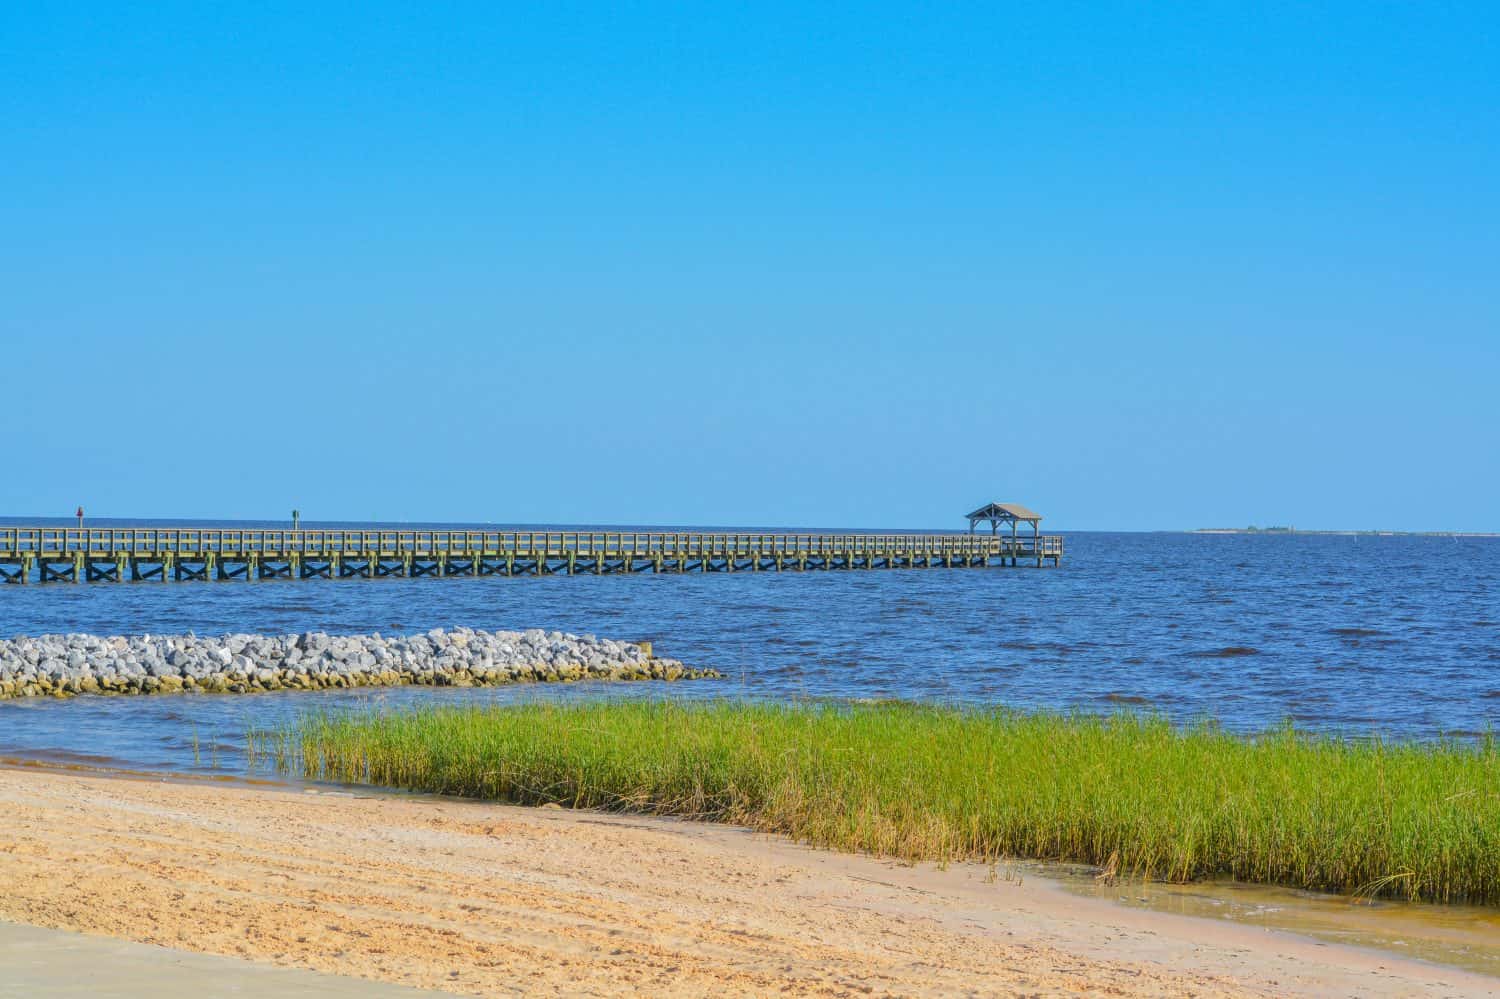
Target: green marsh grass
(922, 782)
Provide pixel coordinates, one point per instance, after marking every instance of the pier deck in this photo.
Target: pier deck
(79, 555)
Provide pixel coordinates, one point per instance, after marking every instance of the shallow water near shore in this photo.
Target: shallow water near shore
(1463, 936)
(1396, 636)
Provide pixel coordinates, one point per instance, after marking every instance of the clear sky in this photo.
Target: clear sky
(1134, 265)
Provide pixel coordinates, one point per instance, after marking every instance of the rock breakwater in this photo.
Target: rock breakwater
(64, 665)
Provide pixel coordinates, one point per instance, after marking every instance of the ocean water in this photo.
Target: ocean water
(1395, 636)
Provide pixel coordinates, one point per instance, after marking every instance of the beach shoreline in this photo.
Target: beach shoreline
(482, 899)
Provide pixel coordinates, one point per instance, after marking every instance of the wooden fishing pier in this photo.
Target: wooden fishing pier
(119, 555)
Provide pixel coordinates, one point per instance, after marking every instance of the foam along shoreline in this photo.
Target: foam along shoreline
(66, 665)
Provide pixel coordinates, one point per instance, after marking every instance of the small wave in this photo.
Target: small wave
(1228, 652)
(1355, 632)
(63, 756)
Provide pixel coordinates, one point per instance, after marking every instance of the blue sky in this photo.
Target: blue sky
(1137, 266)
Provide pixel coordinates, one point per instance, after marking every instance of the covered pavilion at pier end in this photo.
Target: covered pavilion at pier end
(1013, 514)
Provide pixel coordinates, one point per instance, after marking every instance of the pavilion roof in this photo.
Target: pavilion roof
(1005, 511)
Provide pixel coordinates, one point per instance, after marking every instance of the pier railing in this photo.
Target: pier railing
(81, 554)
(109, 542)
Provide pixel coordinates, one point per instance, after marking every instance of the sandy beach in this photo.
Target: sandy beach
(479, 899)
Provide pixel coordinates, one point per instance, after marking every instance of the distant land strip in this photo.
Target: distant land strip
(1347, 533)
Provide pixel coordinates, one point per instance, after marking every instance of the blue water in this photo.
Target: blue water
(1396, 635)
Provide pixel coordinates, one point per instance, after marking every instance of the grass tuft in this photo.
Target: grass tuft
(924, 782)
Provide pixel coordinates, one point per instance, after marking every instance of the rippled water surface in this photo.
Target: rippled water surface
(1396, 635)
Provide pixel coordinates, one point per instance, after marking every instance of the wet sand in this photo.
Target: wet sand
(484, 899)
